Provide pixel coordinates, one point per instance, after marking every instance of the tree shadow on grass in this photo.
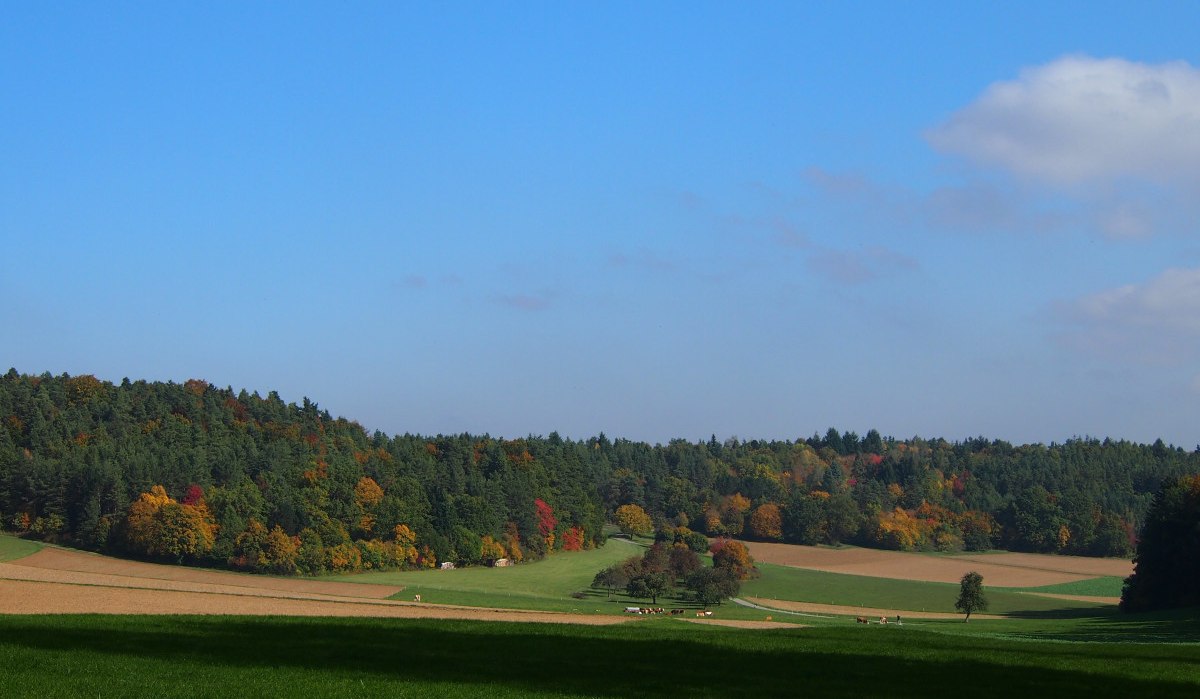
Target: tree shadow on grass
(1113, 626)
(658, 658)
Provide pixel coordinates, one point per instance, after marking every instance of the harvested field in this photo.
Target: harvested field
(999, 569)
(58, 581)
(874, 614)
(57, 559)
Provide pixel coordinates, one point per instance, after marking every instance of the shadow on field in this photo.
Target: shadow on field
(656, 658)
(1112, 626)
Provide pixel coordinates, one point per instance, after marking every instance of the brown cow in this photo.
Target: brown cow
(862, 620)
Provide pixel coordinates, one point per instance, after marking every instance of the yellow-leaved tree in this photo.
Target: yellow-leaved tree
(157, 525)
(632, 519)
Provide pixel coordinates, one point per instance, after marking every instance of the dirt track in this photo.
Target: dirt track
(998, 569)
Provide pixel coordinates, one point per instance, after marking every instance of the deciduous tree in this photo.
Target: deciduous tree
(711, 585)
(766, 522)
(649, 584)
(734, 557)
(632, 519)
(970, 595)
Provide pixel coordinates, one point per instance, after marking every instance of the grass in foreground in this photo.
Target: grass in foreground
(12, 548)
(90, 656)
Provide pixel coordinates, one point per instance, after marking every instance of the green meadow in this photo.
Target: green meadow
(1042, 647)
(1106, 586)
(155, 656)
(549, 585)
(12, 547)
(800, 585)
(546, 584)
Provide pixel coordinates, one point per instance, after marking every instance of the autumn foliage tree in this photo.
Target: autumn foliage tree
(367, 496)
(766, 522)
(572, 539)
(546, 522)
(734, 557)
(632, 519)
(157, 525)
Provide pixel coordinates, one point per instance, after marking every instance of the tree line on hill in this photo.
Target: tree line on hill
(196, 473)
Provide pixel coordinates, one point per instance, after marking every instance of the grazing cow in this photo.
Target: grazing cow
(862, 620)
(676, 612)
(883, 620)
(704, 613)
(416, 598)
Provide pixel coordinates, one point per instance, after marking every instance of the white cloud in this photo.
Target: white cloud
(1158, 321)
(1080, 120)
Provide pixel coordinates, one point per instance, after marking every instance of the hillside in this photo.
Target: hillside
(195, 473)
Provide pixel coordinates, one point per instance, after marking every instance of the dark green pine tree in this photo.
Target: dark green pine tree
(1166, 572)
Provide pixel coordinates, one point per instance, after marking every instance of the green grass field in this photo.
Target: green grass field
(1043, 648)
(96, 656)
(545, 584)
(548, 585)
(1107, 586)
(800, 585)
(12, 548)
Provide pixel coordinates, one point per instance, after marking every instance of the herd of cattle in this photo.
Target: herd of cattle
(882, 620)
(660, 610)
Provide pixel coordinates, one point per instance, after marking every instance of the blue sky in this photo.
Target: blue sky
(655, 220)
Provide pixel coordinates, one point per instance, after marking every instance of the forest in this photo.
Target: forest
(194, 473)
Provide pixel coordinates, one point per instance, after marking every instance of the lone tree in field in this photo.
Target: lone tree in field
(970, 595)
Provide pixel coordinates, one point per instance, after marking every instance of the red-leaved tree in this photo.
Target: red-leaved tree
(546, 522)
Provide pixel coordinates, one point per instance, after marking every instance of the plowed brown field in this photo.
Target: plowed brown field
(999, 569)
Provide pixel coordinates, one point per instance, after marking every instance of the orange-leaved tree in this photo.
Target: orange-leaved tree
(766, 522)
(734, 557)
(157, 525)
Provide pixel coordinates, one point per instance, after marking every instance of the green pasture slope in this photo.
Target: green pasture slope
(1107, 586)
(12, 548)
(801, 585)
(545, 584)
(97, 656)
(1063, 650)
